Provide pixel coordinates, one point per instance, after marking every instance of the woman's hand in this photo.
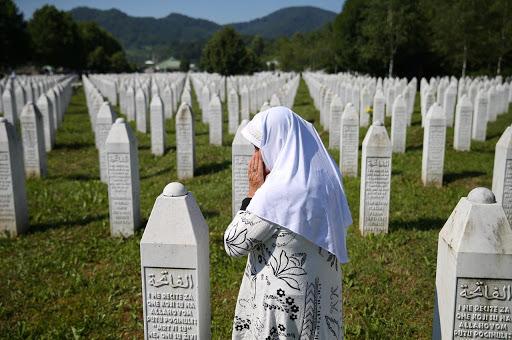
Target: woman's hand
(256, 173)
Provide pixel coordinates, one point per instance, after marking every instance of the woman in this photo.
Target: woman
(292, 226)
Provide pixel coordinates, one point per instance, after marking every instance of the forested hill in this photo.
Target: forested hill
(179, 34)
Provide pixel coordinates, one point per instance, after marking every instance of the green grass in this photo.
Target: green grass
(67, 278)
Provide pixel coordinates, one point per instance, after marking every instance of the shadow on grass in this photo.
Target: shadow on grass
(41, 227)
(158, 173)
(422, 224)
(72, 146)
(212, 168)
(210, 214)
(452, 177)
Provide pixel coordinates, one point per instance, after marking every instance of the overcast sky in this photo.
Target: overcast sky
(219, 11)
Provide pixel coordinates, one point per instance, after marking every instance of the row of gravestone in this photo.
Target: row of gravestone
(26, 156)
(473, 284)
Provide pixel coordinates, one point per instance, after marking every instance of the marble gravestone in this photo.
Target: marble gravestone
(167, 99)
(480, 117)
(32, 136)
(13, 195)
(473, 297)
(427, 102)
(244, 103)
(123, 179)
(157, 121)
(375, 181)
(9, 105)
(205, 102)
(399, 124)
(233, 110)
(141, 109)
(131, 108)
(390, 99)
(104, 120)
(185, 143)
(463, 120)
(364, 107)
(502, 173)
(274, 101)
(215, 120)
(335, 122)
(45, 107)
(175, 268)
(241, 153)
(349, 141)
(434, 140)
(379, 103)
(450, 96)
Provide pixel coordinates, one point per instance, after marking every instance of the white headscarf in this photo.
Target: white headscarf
(304, 191)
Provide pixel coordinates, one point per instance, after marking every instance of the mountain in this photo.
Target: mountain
(180, 35)
(286, 22)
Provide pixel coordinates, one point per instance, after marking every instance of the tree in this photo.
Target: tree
(500, 35)
(14, 39)
(56, 38)
(386, 28)
(458, 30)
(225, 53)
(184, 64)
(118, 63)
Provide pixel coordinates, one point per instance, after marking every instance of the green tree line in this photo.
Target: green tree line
(383, 37)
(407, 38)
(52, 37)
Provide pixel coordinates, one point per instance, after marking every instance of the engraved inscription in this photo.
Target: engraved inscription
(30, 145)
(120, 189)
(507, 190)
(436, 151)
(349, 148)
(6, 194)
(170, 302)
(184, 144)
(241, 182)
(464, 128)
(376, 196)
(483, 309)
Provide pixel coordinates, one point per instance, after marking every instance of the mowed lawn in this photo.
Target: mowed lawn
(67, 278)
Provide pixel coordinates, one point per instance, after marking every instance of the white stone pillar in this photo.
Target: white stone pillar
(434, 140)
(375, 181)
(123, 179)
(175, 268)
(157, 122)
(185, 143)
(32, 136)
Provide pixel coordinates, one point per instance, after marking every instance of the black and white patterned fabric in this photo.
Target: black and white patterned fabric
(291, 288)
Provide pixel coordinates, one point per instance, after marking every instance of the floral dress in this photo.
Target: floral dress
(291, 288)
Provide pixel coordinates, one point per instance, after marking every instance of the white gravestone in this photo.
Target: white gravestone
(215, 120)
(104, 121)
(428, 101)
(463, 120)
(335, 122)
(233, 110)
(379, 103)
(45, 107)
(185, 143)
(502, 173)
(473, 297)
(349, 141)
(450, 95)
(168, 102)
(13, 197)
(157, 121)
(480, 117)
(131, 109)
(175, 268)
(364, 107)
(434, 139)
(123, 179)
(399, 125)
(274, 101)
(141, 108)
(244, 103)
(375, 181)
(32, 136)
(9, 105)
(241, 153)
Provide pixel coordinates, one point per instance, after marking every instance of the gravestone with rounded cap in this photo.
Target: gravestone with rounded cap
(174, 253)
(434, 140)
(473, 296)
